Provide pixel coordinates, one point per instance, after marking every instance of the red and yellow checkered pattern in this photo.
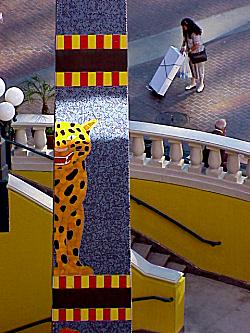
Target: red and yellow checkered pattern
(81, 42)
(92, 281)
(107, 314)
(91, 79)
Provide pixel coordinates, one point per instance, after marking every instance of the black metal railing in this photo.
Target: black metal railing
(157, 298)
(30, 325)
(17, 144)
(178, 224)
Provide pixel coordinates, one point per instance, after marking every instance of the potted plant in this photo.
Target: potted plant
(50, 137)
(36, 89)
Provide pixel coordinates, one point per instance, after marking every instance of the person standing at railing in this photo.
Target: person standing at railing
(193, 46)
(220, 129)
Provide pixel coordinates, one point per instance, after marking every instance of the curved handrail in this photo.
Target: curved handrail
(30, 149)
(157, 298)
(189, 135)
(178, 224)
(30, 325)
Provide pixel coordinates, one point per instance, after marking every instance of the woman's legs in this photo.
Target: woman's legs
(194, 77)
(201, 72)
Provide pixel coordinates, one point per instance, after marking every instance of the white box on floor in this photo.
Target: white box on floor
(167, 71)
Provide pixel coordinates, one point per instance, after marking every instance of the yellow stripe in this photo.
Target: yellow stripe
(128, 284)
(115, 281)
(107, 41)
(76, 79)
(75, 42)
(92, 41)
(91, 79)
(123, 78)
(100, 281)
(59, 42)
(84, 314)
(128, 314)
(55, 315)
(107, 79)
(55, 282)
(99, 314)
(70, 282)
(70, 314)
(123, 42)
(60, 79)
(84, 281)
(114, 314)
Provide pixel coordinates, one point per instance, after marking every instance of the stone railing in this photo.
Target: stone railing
(22, 159)
(190, 173)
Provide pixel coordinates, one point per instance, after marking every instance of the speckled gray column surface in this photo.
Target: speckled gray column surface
(105, 244)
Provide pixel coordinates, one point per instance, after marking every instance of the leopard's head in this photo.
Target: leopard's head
(72, 141)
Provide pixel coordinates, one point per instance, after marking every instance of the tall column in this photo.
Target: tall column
(4, 207)
(97, 30)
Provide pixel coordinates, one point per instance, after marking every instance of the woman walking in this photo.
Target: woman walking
(192, 44)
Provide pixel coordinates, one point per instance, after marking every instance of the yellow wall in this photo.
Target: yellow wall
(41, 177)
(155, 315)
(26, 263)
(213, 216)
(43, 328)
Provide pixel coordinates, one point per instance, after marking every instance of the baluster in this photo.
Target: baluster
(196, 158)
(233, 167)
(138, 148)
(214, 162)
(247, 180)
(40, 138)
(176, 155)
(21, 137)
(157, 152)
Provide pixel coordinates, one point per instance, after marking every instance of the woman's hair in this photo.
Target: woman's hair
(191, 27)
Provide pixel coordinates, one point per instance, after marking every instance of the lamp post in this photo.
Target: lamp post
(13, 97)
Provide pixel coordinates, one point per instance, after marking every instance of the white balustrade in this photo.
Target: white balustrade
(176, 154)
(157, 152)
(233, 167)
(195, 158)
(138, 148)
(194, 174)
(24, 159)
(214, 162)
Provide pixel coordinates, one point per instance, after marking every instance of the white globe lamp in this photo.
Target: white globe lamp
(14, 96)
(7, 111)
(2, 87)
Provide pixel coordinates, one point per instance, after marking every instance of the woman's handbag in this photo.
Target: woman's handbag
(198, 57)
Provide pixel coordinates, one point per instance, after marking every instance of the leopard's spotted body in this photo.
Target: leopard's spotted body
(72, 146)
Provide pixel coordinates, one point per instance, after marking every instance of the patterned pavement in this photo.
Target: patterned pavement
(26, 37)
(226, 94)
(149, 17)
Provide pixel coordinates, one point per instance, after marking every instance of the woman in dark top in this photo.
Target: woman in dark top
(192, 43)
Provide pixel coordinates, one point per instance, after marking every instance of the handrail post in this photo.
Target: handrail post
(157, 152)
(214, 162)
(196, 158)
(233, 167)
(4, 206)
(247, 181)
(138, 148)
(176, 154)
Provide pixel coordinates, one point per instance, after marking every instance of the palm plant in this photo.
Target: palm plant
(36, 89)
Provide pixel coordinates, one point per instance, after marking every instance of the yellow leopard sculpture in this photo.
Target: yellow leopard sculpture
(72, 146)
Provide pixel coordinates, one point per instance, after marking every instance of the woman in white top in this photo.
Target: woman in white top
(192, 43)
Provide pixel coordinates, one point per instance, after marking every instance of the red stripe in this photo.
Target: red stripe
(92, 281)
(83, 41)
(99, 79)
(62, 282)
(92, 315)
(99, 41)
(67, 42)
(106, 314)
(84, 79)
(115, 78)
(122, 281)
(121, 314)
(116, 41)
(67, 79)
(62, 315)
(107, 281)
(77, 282)
(77, 315)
